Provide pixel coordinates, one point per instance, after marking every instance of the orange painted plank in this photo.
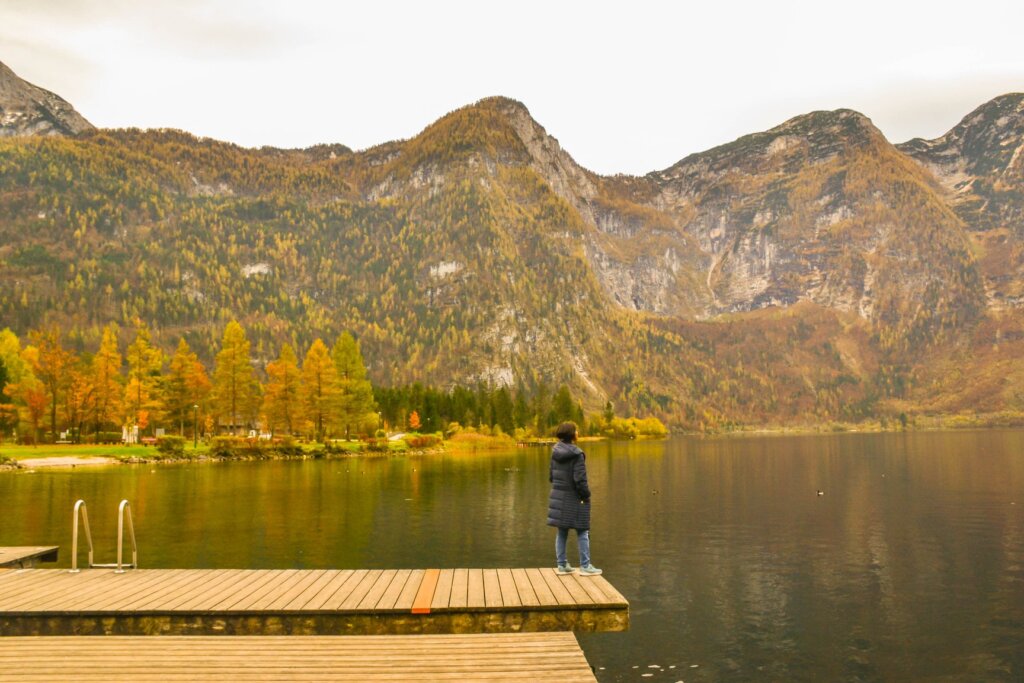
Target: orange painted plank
(443, 592)
(425, 595)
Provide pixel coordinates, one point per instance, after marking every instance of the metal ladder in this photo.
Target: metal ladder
(119, 566)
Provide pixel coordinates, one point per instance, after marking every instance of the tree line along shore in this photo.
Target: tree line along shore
(323, 405)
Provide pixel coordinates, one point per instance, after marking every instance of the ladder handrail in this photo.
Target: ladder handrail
(80, 505)
(120, 537)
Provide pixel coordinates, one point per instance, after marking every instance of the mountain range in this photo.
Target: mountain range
(811, 272)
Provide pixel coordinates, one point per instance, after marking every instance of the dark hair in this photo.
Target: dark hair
(566, 432)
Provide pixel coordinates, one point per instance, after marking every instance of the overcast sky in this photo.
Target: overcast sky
(626, 87)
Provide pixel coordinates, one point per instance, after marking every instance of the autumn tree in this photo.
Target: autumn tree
(234, 384)
(187, 386)
(33, 395)
(414, 421)
(106, 380)
(11, 356)
(8, 414)
(145, 362)
(17, 377)
(80, 397)
(281, 396)
(51, 365)
(356, 393)
(319, 393)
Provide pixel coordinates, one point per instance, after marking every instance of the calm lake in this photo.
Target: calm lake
(909, 567)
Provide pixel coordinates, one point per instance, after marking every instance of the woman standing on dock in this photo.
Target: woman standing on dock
(569, 503)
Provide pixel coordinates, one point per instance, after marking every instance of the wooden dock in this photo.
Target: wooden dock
(24, 557)
(480, 657)
(305, 602)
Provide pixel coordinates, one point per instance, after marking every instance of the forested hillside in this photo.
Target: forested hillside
(812, 272)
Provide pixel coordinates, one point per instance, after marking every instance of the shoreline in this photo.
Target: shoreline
(11, 463)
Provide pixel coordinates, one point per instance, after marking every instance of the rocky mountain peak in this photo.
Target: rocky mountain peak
(806, 139)
(988, 140)
(26, 109)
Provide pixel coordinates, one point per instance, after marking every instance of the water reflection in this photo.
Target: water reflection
(910, 565)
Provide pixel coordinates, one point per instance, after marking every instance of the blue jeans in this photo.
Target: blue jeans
(582, 537)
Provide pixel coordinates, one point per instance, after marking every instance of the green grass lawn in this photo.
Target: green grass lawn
(82, 451)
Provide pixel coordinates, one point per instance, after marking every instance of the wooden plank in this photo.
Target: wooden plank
(509, 592)
(515, 657)
(592, 595)
(425, 594)
(443, 592)
(170, 585)
(110, 587)
(230, 592)
(558, 590)
(258, 599)
(254, 597)
(25, 581)
(527, 595)
(196, 596)
(394, 592)
(128, 585)
(337, 592)
(360, 590)
(14, 581)
(570, 583)
(311, 581)
(27, 555)
(597, 587)
(460, 589)
(614, 596)
(378, 589)
(475, 589)
(408, 594)
(318, 593)
(56, 589)
(492, 589)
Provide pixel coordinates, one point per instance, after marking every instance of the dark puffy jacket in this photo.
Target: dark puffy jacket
(569, 504)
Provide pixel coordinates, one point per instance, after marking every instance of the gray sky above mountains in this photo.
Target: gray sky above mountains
(625, 87)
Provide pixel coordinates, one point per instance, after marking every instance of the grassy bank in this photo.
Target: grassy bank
(18, 452)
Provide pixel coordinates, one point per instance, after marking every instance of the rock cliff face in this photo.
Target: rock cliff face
(821, 208)
(26, 109)
(980, 164)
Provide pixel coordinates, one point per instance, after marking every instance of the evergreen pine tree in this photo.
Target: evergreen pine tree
(504, 410)
(356, 393)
